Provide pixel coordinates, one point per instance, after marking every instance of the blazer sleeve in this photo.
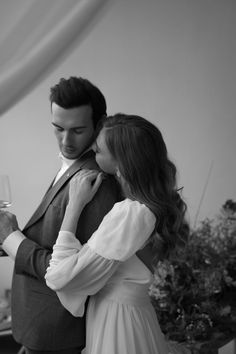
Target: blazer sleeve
(32, 259)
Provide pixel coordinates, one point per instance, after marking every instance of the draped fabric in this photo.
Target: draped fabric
(34, 36)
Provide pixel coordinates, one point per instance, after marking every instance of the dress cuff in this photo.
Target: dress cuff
(68, 239)
(12, 243)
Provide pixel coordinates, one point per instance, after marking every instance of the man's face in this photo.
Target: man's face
(73, 129)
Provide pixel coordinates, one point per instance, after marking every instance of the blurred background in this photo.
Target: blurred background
(171, 61)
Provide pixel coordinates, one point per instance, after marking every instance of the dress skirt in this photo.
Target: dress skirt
(122, 320)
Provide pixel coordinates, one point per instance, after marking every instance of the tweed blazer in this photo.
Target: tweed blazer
(39, 321)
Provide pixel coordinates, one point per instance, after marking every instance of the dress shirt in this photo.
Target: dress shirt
(65, 164)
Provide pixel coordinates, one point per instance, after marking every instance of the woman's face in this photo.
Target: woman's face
(103, 156)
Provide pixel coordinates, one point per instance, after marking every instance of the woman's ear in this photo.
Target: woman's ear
(118, 174)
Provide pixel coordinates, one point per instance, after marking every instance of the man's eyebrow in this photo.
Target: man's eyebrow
(78, 127)
(55, 125)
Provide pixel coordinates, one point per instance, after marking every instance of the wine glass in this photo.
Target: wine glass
(5, 198)
(5, 192)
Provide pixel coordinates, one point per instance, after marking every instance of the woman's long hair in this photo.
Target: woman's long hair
(140, 151)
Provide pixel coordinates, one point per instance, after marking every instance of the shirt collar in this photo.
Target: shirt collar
(68, 162)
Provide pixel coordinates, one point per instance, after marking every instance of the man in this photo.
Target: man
(39, 321)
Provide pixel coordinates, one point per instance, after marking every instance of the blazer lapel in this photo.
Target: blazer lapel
(53, 190)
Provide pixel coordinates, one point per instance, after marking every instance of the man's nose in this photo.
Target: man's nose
(66, 139)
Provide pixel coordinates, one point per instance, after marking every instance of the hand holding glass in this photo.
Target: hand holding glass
(5, 192)
(5, 199)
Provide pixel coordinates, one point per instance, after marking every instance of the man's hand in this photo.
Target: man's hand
(8, 224)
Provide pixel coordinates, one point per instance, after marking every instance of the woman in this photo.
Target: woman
(120, 317)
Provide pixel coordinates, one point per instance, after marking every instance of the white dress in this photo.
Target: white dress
(120, 316)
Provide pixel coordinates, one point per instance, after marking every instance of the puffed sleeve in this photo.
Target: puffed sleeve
(76, 271)
(123, 231)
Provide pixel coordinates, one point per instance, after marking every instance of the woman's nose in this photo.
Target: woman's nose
(94, 147)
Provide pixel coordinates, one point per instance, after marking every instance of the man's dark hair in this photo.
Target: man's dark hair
(75, 92)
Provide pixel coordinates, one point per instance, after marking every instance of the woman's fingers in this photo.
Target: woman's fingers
(84, 186)
(98, 182)
(86, 180)
(86, 174)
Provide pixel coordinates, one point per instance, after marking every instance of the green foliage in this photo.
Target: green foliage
(194, 292)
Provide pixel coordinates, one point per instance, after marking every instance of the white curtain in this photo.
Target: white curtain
(34, 36)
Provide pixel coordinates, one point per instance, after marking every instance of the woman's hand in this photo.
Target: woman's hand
(84, 186)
